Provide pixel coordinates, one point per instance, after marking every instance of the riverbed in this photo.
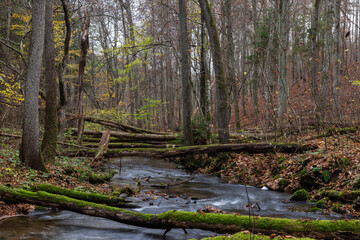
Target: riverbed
(201, 191)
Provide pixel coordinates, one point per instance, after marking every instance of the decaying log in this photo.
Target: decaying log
(134, 136)
(117, 125)
(103, 146)
(221, 223)
(201, 149)
(90, 197)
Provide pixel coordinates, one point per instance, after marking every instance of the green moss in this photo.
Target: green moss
(247, 236)
(321, 203)
(341, 196)
(300, 195)
(90, 197)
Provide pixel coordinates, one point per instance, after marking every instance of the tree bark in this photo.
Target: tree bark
(29, 150)
(185, 75)
(222, 114)
(49, 142)
(82, 64)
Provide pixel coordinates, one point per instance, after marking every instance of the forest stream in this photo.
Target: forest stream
(189, 196)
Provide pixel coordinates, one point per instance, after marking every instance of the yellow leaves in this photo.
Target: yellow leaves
(10, 92)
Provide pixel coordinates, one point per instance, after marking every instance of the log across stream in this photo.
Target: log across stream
(199, 192)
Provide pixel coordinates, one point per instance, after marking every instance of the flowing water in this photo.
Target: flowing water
(190, 196)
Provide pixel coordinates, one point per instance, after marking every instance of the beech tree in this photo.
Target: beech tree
(29, 150)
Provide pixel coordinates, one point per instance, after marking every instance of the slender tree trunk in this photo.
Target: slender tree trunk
(82, 64)
(231, 61)
(315, 58)
(61, 69)
(49, 143)
(222, 113)
(324, 89)
(185, 74)
(204, 82)
(336, 55)
(282, 82)
(255, 76)
(29, 150)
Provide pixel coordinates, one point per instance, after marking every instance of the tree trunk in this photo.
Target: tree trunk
(185, 74)
(82, 64)
(61, 70)
(204, 82)
(29, 150)
(336, 56)
(222, 114)
(282, 69)
(231, 77)
(49, 143)
(315, 58)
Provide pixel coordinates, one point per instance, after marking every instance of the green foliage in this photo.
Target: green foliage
(321, 203)
(146, 111)
(300, 195)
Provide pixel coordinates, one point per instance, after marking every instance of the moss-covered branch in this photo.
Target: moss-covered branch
(337, 131)
(200, 149)
(341, 196)
(90, 197)
(221, 223)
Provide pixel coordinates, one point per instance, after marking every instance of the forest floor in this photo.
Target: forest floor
(335, 165)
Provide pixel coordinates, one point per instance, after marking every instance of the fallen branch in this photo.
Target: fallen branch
(103, 146)
(221, 223)
(172, 184)
(133, 136)
(117, 125)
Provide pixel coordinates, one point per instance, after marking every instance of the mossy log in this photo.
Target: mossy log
(200, 149)
(341, 196)
(131, 145)
(116, 125)
(220, 223)
(134, 136)
(246, 235)
(90, 197)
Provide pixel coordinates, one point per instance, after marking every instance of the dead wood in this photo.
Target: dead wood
(132, 136)
(117, 125)
(202, 149)
(103, 146)
(172, 184)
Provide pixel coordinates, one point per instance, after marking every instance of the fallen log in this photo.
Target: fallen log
(201, 149)
(220, 223)
(133, 136)
(117, 125)
(131, 145)
(90, 197)
(341, 196)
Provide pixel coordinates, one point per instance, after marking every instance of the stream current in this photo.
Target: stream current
(190, 196)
